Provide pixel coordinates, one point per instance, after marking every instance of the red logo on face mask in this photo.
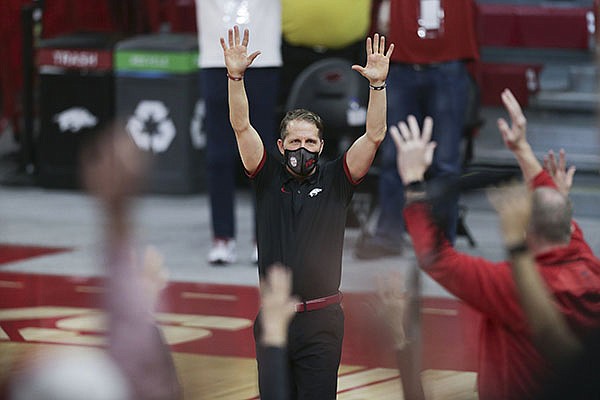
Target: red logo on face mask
(309, 163)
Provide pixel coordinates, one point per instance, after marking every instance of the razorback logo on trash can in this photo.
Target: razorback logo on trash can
(150, 126)
(75, 119)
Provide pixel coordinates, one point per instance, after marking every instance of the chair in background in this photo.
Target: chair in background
(338, 94)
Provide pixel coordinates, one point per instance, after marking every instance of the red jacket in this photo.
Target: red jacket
(510, 367)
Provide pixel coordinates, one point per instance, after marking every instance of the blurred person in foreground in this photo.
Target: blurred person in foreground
(510, 364)
(67, 373)
(301, 211)
(577, 360)
(137, 363)
(112, 171)
(277, 308)
(392, 309)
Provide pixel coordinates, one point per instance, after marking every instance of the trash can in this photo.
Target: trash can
(76, 89)
(157, 98)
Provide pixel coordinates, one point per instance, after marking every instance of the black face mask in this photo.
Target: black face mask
(301, 161)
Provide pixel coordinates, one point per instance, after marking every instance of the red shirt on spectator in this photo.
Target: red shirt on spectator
(455, 40)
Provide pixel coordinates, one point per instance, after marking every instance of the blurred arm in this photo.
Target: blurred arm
(112, 172)
(277, 310)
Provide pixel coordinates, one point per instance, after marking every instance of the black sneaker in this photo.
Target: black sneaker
(371, 247)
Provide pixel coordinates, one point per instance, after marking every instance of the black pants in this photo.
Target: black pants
(314, 352)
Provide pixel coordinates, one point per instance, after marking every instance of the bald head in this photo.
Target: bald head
(551, 214)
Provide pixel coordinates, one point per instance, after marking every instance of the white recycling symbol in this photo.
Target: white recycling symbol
(150, 126)
(197, 134)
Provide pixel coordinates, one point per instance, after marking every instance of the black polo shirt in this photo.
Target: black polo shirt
(300, 223)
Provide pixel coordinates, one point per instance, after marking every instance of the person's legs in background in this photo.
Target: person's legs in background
(446, 103)
(221, 158)
(262, 87)
(439, 91)
(404, 85)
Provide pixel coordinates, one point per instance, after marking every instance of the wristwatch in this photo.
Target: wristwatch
(415, 191)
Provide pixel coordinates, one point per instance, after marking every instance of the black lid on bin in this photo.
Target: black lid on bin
(160, 42)
(82, 40)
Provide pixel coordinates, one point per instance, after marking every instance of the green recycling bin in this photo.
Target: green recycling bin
(157, 99)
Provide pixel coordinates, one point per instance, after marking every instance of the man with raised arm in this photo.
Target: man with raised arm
(510, 364)
(301, 212)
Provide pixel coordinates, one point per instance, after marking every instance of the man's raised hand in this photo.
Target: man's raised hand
(378, 61)
(235, 52)
(513, 204)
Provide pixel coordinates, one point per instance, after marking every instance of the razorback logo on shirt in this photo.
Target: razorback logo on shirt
(315, 192)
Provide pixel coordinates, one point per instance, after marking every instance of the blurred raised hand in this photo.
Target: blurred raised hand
(513, 205)
(561, 175)
(277, 305)
(414, 148)
(113, 167)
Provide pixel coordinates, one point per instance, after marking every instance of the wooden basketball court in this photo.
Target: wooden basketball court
(209, 330)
